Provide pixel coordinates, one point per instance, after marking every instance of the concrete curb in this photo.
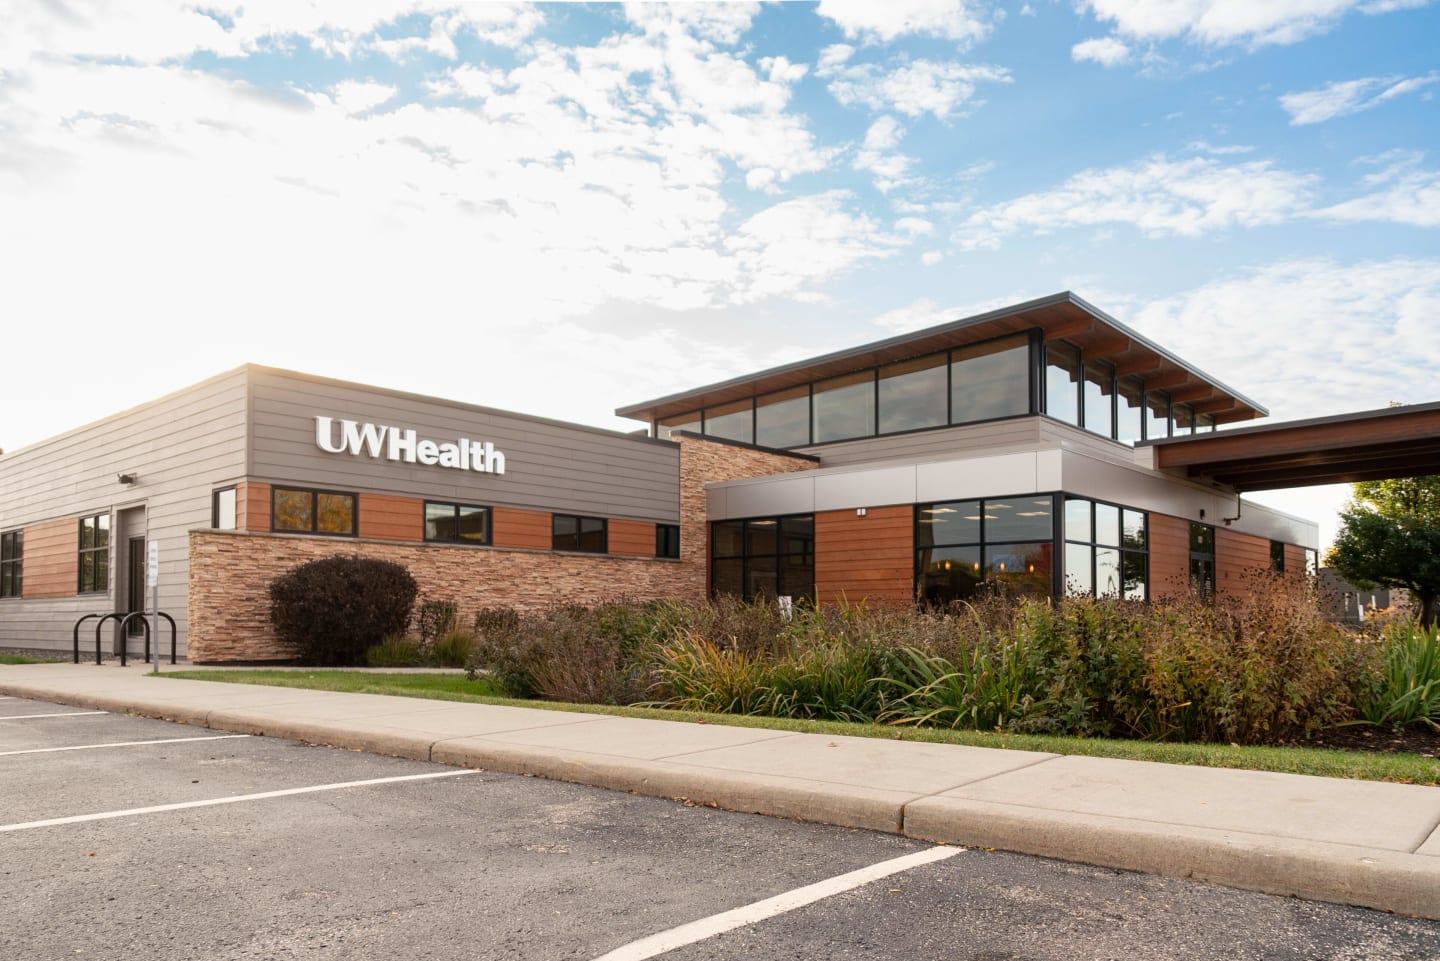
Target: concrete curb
(1367, 876)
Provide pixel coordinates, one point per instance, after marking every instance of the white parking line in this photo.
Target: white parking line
(91, 747)
(657, 944)
(28, 717)
(236, 799)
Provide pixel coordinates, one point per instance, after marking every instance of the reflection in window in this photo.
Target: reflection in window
(94, 554)
(311, 511)
(734, 421)
(222, 509)
(669, 425)
(1106, 550)
(782, 419)
(1202, 558)
(912, 394)
(1062, 382)
(1129, 409)
(763, 557)
(1099, 398)
(569, 532)
(1184, 419)
(12, 563)
(1157, 415)
(962, 545)
(990, 380)
(844, 407)
(460, 523)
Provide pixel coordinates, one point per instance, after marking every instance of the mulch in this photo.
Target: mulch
(1377, 740)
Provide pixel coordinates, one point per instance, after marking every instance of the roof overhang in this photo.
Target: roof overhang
(1368, 445)
(1062, 316)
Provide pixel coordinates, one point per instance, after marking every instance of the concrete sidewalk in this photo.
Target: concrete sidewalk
(1354, 842)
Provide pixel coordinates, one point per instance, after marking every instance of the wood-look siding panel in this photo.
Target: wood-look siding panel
(521, 528)
(390, 518)
(1239, 560)
(1169, 556)
(51, 559)
(1294, 559)
(635, 538)
(870, 558)
(548, 465)
(257, 507)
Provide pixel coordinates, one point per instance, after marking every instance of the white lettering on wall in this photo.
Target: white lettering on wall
(406, 446)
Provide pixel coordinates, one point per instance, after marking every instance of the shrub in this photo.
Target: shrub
(395, 651)
(334, 609)
(453, 650)
(1407, 688)
(434, 620)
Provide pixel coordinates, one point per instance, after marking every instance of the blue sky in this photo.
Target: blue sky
(562, 208)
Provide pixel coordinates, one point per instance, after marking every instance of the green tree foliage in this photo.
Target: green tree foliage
(1390, 537)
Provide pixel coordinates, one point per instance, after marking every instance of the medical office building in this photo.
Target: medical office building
(1044, 446)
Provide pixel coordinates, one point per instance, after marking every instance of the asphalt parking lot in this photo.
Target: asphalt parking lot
(127, 838)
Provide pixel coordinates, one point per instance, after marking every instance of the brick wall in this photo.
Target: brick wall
(231, 570)
(703, 461)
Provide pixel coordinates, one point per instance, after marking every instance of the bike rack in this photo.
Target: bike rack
(125, 623)
(168, 618)
(75, 638)
(98, 625)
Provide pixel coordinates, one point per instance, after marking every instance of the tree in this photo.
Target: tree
(1390, 537)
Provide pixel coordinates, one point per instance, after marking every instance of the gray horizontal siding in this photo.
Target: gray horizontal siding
(180, 447)
(548, 466)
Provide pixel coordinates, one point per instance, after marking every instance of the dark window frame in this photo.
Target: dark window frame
(12, 563)
(1277, 556)
(1206, 559)
(215, 507)
(1093, 542)
(982, 544)
(88, 558)
(315, 493)
(489, 539)
(580, 534)
(667, 541)
(783, 539)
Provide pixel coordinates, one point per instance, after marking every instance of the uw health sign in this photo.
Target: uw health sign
(406, 446)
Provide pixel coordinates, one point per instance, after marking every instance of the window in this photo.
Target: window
(572, 533)
(1202, 558)
(222, 509)
(844, 407)
(312, 511)
(912, 394)
(12, 557)
(961, 545)
(667, 540)
(782, 419)
(457, 523)
(1277, 556)
(1129, 409)
(1062, 382)
(732, 421)
(765, 557)
(991, 380)
(1099, 398)
(1184, 419)
(1157, 415)
(691, 422)
(1106, 550)
(94, 554)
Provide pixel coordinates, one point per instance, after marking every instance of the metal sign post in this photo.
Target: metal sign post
(152, 581)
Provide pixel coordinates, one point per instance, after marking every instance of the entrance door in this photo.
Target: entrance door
(136, 579)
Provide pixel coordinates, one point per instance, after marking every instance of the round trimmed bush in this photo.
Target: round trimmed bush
(334, 609)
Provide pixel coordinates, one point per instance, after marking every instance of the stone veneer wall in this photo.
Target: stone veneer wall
(702, 461)
(229, 603)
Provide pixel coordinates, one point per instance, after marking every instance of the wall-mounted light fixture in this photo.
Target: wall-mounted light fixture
(859, 512)
(125, 478)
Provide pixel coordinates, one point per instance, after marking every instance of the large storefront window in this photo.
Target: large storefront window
(1004, 542)
(1106, 550)
(94, 554)
(312, 512)
(763, 557)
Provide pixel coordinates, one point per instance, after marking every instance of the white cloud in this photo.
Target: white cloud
(870, 22)
(1159, 196)
(1345, 97)
(1106, 51)
(1409, 197)
(916, 88)
(931, 257)
(358, 96)
(879, 156)
(1254, 23)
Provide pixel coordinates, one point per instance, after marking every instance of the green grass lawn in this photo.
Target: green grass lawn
(1405, 768)
(27, 659)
